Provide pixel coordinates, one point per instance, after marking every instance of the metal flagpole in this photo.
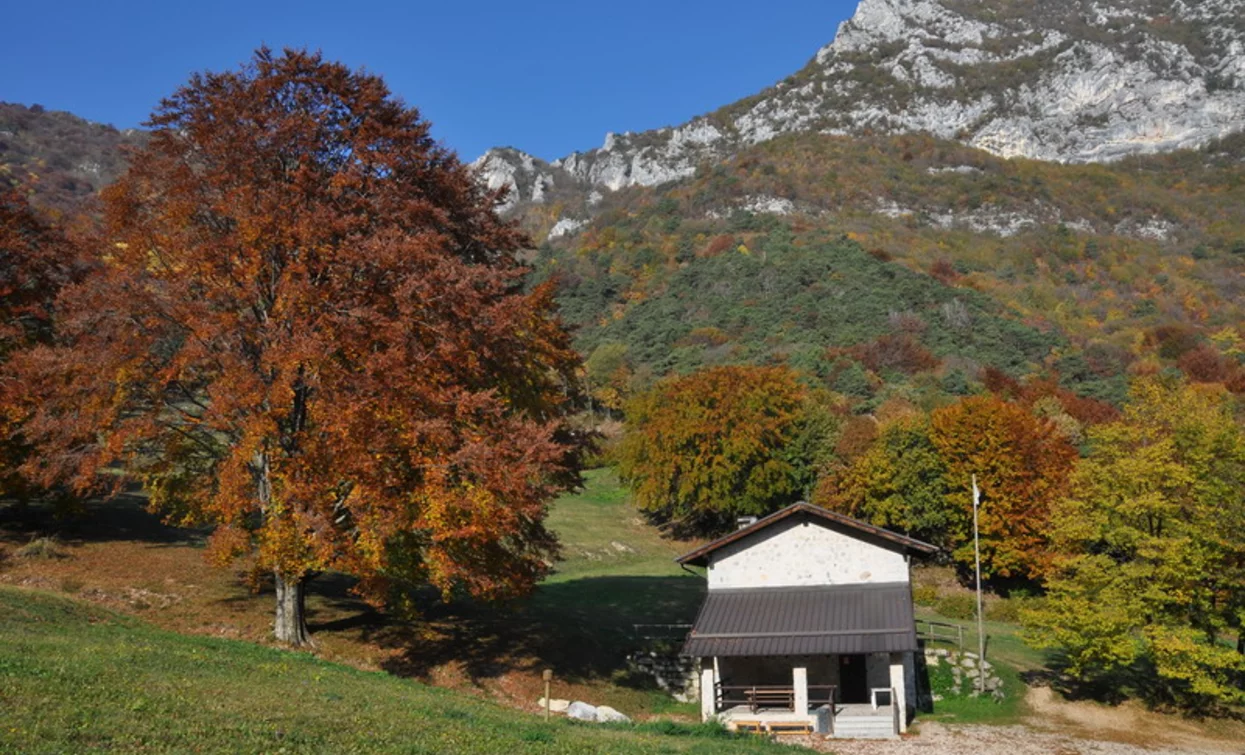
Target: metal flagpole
(981, 634)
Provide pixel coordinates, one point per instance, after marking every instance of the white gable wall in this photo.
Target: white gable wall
(800, 551)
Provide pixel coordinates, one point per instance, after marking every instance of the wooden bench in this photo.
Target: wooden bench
(770, 698)
(753, 727)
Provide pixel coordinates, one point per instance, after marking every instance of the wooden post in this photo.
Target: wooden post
(981, 632)
(547, 675)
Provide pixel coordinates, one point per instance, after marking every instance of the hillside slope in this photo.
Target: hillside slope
(64, 158)
(74, 677)
(1088, 271)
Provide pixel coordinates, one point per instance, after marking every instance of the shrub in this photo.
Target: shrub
(925, 595)
(1004, 609)
(899, 352)
(45, 548)
(1009, 609)
(957, 606)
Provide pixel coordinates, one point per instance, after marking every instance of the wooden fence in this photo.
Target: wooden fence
(940, 631)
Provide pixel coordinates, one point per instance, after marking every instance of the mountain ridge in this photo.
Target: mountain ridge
(1062, 81)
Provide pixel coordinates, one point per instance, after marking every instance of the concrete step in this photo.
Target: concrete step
(864, 728)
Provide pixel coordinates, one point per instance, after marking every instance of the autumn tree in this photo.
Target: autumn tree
(705, 448)
(608, 375)
(309, 331)
(36, 262)
(1022, 463)
(899, 483)
(1150, 561)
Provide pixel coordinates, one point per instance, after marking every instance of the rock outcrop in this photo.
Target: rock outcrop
(1059, 80)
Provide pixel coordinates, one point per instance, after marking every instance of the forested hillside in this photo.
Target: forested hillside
(811, 248)
(60, 157)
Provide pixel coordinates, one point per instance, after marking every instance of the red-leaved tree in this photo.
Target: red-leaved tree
(309, 331)
(36, 261)
(1022, 463)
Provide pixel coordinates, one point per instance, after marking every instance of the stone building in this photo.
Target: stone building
(808, 625)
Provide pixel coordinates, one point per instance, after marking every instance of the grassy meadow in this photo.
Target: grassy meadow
(116, 635)
(616, 571)
(75, 677)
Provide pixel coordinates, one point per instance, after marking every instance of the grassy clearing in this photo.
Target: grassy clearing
(616, 572)
(1003, 641)
(75, 677)
(602, 534)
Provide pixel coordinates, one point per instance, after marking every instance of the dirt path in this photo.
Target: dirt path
(1058, 727)
(1131, 723)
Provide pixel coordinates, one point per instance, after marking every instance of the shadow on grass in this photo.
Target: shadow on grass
(124, 517)
(582, 629)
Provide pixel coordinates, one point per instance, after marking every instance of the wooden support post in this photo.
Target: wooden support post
(547, 675)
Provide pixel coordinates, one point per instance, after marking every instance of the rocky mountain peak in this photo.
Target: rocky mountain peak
(1057, 80)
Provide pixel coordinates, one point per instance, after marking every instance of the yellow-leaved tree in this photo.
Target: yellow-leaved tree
(1149, 568)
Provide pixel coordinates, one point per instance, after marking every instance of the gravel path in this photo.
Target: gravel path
(937, 739)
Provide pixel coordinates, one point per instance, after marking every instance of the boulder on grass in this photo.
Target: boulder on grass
(606, 714)
(555, 705)
(581, 711)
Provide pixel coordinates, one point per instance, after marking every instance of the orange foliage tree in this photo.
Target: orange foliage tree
(1022, 464)
(309, 331)
(707, 447)
(36, 262)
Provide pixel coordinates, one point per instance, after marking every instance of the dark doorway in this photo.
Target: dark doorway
(853, 679)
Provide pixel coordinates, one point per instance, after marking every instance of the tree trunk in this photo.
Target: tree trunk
(291, 623)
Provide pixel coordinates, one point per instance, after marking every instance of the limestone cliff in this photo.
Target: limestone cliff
(1059, 80)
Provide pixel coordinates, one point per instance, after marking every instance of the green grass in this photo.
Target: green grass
(76, 678)
(1003, 641)
(616, 571)
(602, 533)
(1010, 657)
(964, 709)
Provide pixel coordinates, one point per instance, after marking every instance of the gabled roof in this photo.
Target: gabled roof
(820, 620)
(699, 557)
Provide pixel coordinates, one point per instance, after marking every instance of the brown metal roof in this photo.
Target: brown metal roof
(699, 556)
(823, 620)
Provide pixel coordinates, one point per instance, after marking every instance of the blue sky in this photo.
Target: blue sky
(548, 77)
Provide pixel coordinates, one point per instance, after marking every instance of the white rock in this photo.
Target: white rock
(555, 705)
(581, 711)
(566, 226)
(606, 714)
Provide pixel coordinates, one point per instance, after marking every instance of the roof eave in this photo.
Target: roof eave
(700, 556)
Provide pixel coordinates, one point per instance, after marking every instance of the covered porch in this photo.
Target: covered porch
(848, 696)
(834, 660)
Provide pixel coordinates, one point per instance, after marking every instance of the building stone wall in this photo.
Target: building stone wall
(801, 552)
